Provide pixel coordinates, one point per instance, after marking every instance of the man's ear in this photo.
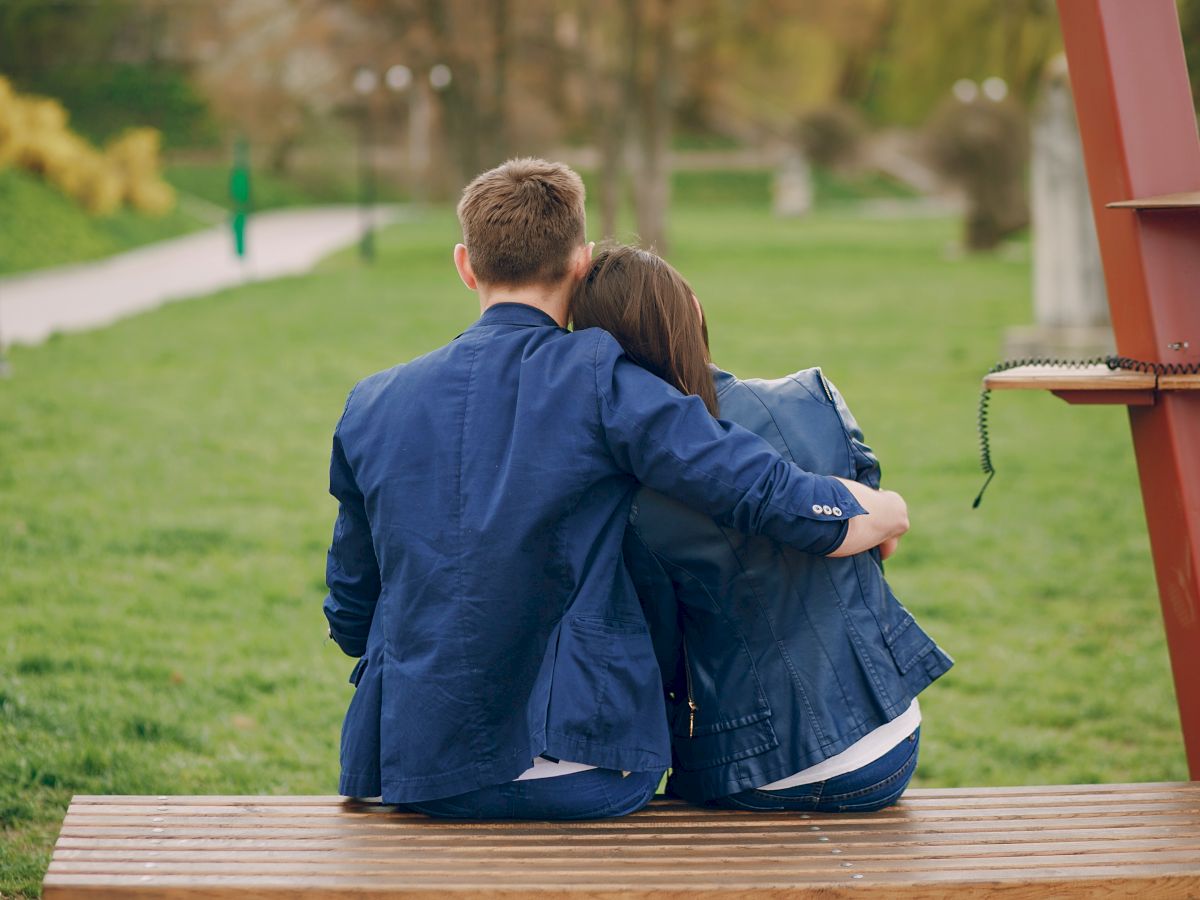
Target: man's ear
(462, 262)
(583, 260)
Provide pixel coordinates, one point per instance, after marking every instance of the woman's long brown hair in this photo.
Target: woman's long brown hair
(646, 305)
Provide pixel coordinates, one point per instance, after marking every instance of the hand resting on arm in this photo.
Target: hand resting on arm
(886, 519)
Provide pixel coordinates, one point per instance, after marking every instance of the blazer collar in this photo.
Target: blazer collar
(514, 314)
(722, 379)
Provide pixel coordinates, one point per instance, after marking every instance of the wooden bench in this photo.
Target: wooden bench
(1110, 840)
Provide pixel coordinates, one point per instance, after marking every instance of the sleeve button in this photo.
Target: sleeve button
(817, 508)
(837, 510)
(828, 510)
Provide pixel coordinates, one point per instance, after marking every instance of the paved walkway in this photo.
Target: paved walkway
(284, 242)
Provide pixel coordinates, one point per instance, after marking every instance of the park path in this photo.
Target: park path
(89, 295)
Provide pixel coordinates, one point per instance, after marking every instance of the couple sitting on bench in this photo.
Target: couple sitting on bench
(570, 559)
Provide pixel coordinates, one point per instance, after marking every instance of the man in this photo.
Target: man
(484, 488)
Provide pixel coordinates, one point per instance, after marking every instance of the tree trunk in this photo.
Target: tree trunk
(654, 110)
(610, 85)
(501, 34)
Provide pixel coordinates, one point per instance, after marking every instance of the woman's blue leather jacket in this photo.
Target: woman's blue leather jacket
(773, 659)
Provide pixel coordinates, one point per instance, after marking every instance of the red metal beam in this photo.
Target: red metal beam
(1138, 126)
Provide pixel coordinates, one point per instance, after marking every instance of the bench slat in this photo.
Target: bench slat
(472, 854)
(949, 807)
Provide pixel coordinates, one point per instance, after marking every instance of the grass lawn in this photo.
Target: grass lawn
(163, 516)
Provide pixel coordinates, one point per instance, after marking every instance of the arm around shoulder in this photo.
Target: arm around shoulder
(671, 443)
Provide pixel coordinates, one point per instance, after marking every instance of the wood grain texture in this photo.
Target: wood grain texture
(1080, 378)
(1181, 200)
(1027, 842)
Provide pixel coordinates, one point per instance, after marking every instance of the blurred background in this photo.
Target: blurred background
(823, 100)
(890, 189)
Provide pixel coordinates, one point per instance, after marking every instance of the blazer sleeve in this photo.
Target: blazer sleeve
(351, 569)
(671, 443)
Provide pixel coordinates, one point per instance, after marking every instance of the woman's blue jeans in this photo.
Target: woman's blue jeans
(592, 794)
(876, 785)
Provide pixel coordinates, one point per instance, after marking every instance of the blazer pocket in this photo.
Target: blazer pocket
(718, 743)
(601, 625)
(907, 643)
(606, 681)
(357, 673)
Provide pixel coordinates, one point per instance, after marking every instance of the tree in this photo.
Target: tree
(271, 68)
(1189, 23)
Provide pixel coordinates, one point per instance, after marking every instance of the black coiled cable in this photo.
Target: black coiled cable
(1114, 363)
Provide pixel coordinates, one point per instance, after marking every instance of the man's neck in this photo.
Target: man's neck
(551, 299)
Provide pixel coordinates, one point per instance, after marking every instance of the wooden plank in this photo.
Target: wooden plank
(589, 842)
(636, 828)
(1181, 200)
(914, 800)
(1141, 887)
(1187, 861)
(77, 824)
(1057, 880)
(1066, 792)
(913, 796)
(467, 853)
(1082, 378)
(1179, 382)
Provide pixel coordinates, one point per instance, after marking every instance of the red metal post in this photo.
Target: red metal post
(1138, 126)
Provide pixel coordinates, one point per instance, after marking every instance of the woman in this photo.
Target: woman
(791, 679)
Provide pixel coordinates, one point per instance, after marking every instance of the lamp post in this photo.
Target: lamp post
(398, 79)
(365, 82)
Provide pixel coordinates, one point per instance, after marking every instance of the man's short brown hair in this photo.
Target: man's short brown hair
(521, 221)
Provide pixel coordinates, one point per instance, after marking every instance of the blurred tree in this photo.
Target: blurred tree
(983, 145)
(1189, 22)
(474, 40)
(831, 135)
(270, 68)
(933, 43)
(107, 60)
(608, 73)
(653, 58)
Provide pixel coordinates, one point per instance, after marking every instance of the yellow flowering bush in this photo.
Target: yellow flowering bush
(35, 135)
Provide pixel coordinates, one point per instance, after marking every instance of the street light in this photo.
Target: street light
(365, 82)
(439, 77)
(398, 78)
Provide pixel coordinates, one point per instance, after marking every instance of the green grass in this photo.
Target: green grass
(40, 226)
(163, 516)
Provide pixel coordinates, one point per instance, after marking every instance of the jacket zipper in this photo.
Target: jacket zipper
(691, 699)
(825, 385)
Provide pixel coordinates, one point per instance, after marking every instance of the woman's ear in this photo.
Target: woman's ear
(462, 262)
(699, 308)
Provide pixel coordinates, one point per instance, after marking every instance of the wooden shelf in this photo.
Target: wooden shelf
(1082, 378)
(1179, 382)
(1091, 384)
(1183, 200)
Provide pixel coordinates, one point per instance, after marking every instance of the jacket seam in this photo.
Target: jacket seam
(478, 728)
